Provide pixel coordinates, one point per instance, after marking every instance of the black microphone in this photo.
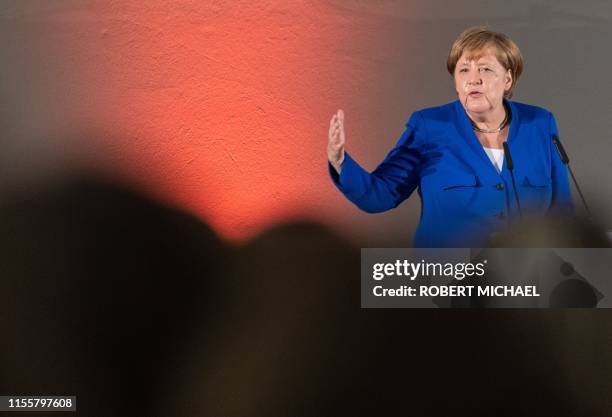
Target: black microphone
(510, 167)
(560, 149)
(565, 160)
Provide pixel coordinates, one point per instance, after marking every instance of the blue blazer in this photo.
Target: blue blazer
(463, 197)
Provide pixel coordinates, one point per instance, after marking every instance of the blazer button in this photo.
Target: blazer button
(501, 215)
(499, 186)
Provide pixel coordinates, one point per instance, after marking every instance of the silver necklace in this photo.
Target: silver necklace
(499, 129)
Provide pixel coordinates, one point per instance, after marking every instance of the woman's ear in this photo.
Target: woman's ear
(508, 80)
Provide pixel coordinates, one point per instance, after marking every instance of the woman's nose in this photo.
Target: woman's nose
(474, 79)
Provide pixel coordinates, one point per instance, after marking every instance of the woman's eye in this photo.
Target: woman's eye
(463, 70)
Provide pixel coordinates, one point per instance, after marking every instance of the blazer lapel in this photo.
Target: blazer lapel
(482, 163)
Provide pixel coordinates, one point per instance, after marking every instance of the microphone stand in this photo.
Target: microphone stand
(510, 167)
(565, 160)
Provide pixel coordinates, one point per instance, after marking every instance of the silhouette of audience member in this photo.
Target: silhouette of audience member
(100, 286)
(140, 309)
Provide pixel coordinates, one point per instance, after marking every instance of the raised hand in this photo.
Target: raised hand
(336, 140)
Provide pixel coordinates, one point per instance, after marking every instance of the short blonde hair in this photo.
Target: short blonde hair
(475, 40)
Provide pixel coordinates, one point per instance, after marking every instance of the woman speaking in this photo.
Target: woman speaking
(454, 154)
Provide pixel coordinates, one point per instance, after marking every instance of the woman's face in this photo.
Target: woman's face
(481, 80)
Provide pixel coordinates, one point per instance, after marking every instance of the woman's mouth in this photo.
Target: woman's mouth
(475, 94)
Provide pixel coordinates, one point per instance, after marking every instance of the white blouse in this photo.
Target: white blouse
(496, 156)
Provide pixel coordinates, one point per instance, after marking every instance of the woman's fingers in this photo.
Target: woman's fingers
(335, 146)
(334, 128)
(333, 123)
(336, 137)
(333, 119)
(341, 138)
